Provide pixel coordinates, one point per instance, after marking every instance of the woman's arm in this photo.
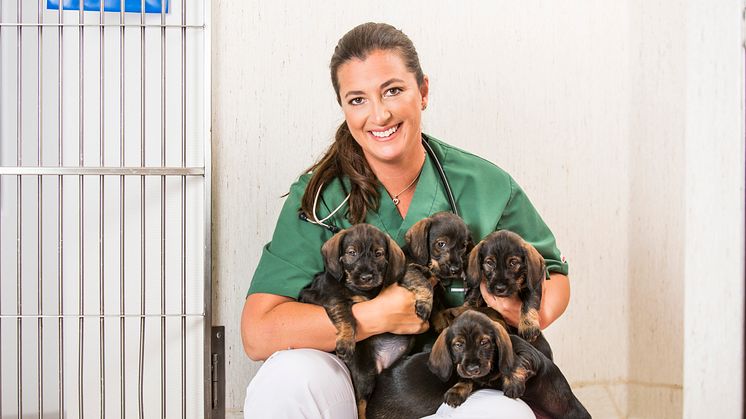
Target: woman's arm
(554, 299)
(270, 323)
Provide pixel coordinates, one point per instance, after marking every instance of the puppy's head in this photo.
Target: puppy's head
(440, 242)
(474, 346)
(506, 262)
(363, 258)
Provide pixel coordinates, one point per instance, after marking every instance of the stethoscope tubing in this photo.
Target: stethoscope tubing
(441, 174)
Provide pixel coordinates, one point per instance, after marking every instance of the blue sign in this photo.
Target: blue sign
(151, 6)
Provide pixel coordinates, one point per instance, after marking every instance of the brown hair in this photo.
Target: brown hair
(345, 157)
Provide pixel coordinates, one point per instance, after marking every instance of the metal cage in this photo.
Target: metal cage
(105, 295)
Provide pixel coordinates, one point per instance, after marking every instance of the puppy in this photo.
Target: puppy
(408, 390)
(511, 267)
(442, 243)
(485, 356)
(359, 262)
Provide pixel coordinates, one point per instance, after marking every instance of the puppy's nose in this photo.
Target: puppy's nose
(455, 269)
(472, 369)
(499, 289)
(366, 277)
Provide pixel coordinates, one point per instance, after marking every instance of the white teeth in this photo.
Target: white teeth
(384, 134)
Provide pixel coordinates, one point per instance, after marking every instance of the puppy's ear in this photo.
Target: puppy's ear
(440, 362)
(536, 269)
(474, 268)
(397, 262)
(417, 240)
(505, 348)
(331, 251)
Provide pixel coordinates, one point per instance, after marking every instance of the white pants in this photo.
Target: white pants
(306, 383)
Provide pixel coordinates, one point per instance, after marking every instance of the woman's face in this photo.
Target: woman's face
(383, 105)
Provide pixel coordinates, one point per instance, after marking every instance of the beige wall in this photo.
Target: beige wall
(588, 104)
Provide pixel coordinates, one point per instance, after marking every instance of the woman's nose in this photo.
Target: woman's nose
(381, 113)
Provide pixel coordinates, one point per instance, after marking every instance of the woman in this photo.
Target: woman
(379, 158)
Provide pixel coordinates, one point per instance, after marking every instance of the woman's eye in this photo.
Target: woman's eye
(392, 92)
(356, 101)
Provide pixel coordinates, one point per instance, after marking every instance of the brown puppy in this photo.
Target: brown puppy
(511, 266)
(359, 262)
(442, 243)
(485, 356)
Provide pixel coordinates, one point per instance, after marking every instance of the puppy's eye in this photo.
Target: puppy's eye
(489, 263)
(513, 263)
(484, 342)
(351, 252)
(379, 253)
(440, 244)
(458, 344)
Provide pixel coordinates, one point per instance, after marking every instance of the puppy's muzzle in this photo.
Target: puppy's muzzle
(471, 370)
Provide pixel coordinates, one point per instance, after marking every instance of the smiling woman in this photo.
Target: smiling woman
(377, 167)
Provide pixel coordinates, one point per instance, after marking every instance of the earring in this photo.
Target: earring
(424, 106)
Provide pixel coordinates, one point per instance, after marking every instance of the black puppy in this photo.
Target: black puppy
(485, 356)
(359, 262)
(408, 390)
(441, 242)
(511, 266)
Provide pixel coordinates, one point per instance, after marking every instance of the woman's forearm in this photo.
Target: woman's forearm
(555, 298)
(270, 323)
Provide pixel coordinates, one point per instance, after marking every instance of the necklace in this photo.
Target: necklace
(395, 199)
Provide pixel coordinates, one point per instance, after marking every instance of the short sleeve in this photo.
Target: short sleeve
(521, 217)
(289, 262)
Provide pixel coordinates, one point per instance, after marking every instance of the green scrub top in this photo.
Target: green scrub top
(488, 199)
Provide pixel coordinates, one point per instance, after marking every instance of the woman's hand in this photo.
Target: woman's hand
(391, 311)
(555, 295)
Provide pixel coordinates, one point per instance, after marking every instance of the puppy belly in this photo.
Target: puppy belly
(388, 348)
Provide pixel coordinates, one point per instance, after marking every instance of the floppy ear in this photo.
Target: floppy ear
(536, 269)
(440, 362)
(331, 251)
(474, 268)
(504, 348)
(417, 239)
(397, 262)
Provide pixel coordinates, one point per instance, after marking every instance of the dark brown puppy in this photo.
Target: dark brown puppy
(441, 242)
(359, 262)
(511, 266)
(483, 355)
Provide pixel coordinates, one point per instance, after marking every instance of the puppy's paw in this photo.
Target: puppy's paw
(530, 333)
(514, 388)
(345, 349)
(423, 308)
(454, 397)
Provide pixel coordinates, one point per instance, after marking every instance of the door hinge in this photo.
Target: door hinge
(217, 373)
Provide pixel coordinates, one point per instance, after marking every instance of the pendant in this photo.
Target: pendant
(396, 201)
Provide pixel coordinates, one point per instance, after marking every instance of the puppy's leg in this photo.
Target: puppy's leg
(457, 394)
(340, 313)
(528, 326)
(417, 281)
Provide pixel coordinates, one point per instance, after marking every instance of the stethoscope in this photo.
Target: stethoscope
(334, 229)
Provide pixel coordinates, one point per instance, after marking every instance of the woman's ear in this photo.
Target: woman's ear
(440, 362)
(397, 262)
(425, 90)
(331, 251)
(418, 243)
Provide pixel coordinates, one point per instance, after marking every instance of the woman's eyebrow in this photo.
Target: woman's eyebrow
(383, 86)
